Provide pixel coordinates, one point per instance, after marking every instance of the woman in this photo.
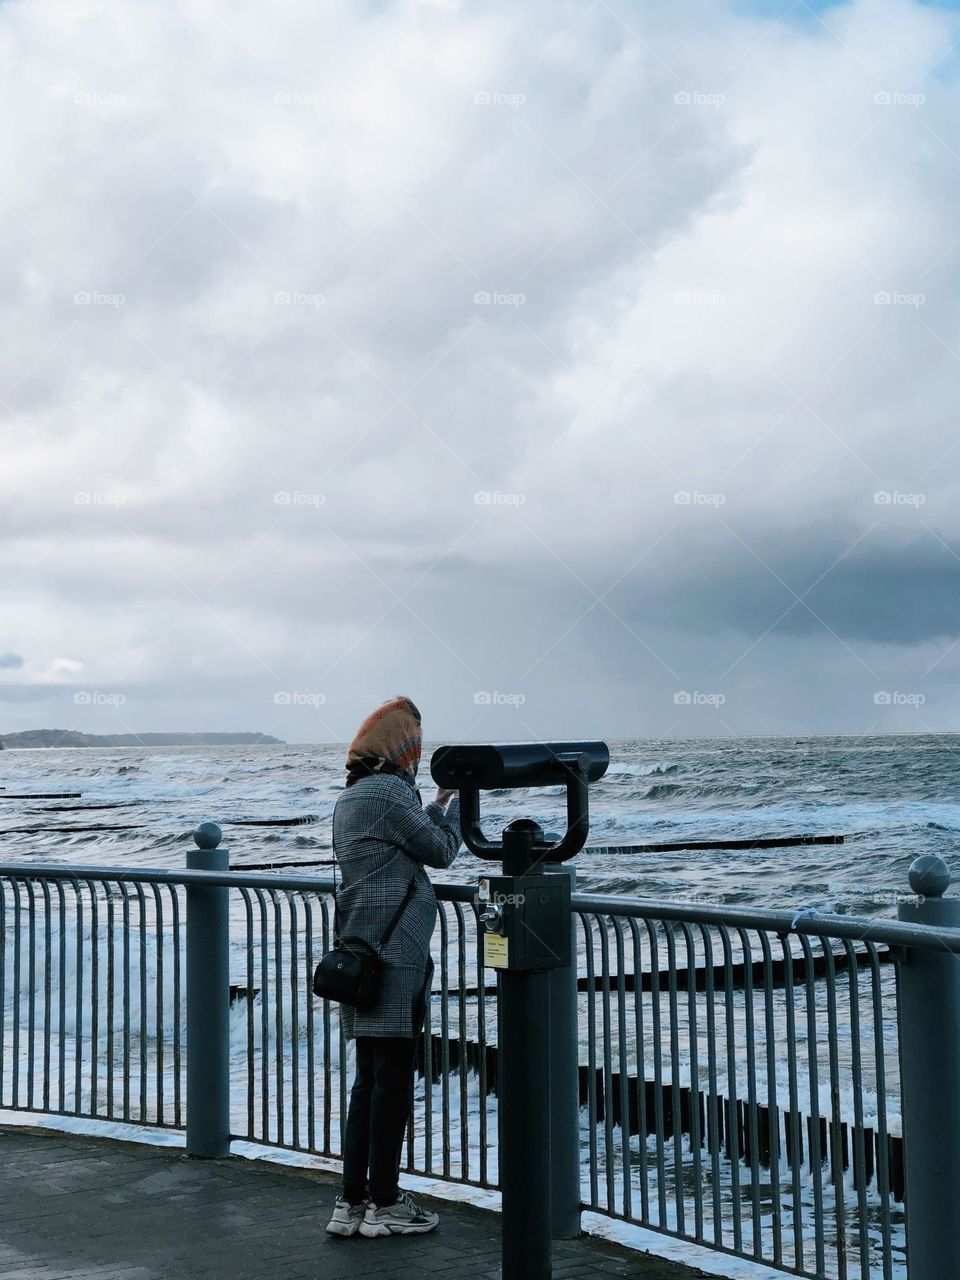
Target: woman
(383, 840)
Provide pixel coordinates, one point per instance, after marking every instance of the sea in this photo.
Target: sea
(891, 798)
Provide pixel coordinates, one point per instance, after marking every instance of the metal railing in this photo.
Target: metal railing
(738, 1071)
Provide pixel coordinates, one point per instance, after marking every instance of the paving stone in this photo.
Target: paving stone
(81, 1208)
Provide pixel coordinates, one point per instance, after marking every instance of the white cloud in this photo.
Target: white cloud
(698, 211)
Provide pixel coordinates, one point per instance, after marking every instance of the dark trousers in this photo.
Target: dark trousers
(380, 1104)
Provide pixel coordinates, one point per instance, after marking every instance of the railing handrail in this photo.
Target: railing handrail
(890, 933)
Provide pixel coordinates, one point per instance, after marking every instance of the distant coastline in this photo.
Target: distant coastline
(30, 738)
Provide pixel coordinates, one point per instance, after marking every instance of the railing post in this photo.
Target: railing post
(565, 1087)
(208, 1001)
(930, 1079)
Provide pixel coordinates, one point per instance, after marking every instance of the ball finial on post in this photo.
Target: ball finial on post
(207, 835)
(929, 876)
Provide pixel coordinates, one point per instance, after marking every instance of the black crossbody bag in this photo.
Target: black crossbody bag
(352, 972)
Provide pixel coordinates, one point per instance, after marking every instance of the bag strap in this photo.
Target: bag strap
(388, 932)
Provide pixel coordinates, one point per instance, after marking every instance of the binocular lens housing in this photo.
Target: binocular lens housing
(517, 764)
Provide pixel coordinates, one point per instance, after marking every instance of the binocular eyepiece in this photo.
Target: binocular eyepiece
(492, 767)
(517, 764)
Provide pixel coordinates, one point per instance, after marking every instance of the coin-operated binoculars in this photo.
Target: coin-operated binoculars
(526, 921)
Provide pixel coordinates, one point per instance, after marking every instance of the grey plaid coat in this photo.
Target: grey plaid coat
(383, 839)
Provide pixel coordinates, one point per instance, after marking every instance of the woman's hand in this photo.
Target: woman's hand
(444, 797)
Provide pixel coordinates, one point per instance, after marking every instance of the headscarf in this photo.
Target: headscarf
(389, 741)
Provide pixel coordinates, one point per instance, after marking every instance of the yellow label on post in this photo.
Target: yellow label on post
(496, 951)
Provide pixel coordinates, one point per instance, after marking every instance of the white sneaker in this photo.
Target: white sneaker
(346, 1218)
(405, 1218)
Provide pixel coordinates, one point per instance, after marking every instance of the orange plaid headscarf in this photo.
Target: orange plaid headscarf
(389, 740)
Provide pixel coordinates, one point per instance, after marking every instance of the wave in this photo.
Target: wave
(662, 790)
(621, 770)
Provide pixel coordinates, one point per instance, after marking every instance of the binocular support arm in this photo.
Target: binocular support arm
(573, 769)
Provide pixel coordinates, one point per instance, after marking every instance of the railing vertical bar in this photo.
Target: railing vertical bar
(47, 990)
(428, 1043)
(813, 1076)
(78, 1037)
(482, 1083)
(142, 1019)
(883, 1141)
(159, 1019)
(111, 996)
(835, 1143)
(794, 1144)
(752, 1114)
(3, 991)
(858, 1154)
(655, 1016)
(624, 1072)
(177, 1009)
(327, 1044)
(693, 1037)
(264, 1022)
(17, 996)
(278, 1057)
(342, 1080)
(311, 1078)
(248, 1015)
(773, 1102)
(32, 991)
(713, 1100)
(732, 1125)
(294, 1019)
(94, 997)
(126, 1000)
(591, 1059)
(676, 1103)
(463, 1068)
(639, 1032)
(603, 937)
(61, 999)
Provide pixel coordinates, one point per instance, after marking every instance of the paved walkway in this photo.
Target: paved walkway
(78, 1208)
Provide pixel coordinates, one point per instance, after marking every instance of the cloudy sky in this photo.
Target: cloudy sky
(577, 368)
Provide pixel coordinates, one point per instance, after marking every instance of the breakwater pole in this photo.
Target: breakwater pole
(930, 1071)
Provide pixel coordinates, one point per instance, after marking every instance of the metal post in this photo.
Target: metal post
(565, 1087)
(930, 1075)
(524, 1094)
(208, 1001)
